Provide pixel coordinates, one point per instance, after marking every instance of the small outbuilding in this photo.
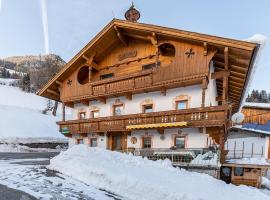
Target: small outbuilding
(243, 174)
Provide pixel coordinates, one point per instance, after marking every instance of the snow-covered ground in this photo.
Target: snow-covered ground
(21, 117)
(35, 179)
(138, 178)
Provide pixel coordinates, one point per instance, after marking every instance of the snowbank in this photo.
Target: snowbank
(138, 178)
(21, 115)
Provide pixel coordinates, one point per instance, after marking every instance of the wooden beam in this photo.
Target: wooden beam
(160, 131)
(91, 61)
(85, 102)
(63, 112)
(128, 96)
(220, 74)
(121, 37)
(205, 51)
(102, 99)
(225, 78)
(69, 104)
(163, 91)
(153, 39)
(58, 83)
(53, 92)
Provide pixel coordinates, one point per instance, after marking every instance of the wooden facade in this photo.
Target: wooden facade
(128, 58)
(256, 114)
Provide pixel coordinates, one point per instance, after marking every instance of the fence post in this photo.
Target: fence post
(234, 149)
(252, 150)
(262, 152)
(243, 150)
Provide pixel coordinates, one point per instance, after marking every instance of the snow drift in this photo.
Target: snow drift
(138, 178)
(21, 114)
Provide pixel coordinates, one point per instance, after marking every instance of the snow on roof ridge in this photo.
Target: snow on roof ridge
(262, 41)
(257, 105)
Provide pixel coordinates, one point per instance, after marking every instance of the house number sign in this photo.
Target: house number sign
(129, 54)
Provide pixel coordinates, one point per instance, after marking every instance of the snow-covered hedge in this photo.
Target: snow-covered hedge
(137, 178)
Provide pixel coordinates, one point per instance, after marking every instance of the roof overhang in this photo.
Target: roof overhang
(241, 55)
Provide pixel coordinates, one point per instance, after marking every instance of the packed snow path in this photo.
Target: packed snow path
(31, 176)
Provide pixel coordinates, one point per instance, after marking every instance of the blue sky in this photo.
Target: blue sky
(72, 23)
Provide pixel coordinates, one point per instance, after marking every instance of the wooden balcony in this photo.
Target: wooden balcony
(215, 116)
(145, 81)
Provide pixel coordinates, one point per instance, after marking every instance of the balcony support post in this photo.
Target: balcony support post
(204, 87)
(63, 112)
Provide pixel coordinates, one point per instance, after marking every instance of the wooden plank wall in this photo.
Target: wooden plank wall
(256, 115)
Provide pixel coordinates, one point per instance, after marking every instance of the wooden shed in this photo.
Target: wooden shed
(243, 174)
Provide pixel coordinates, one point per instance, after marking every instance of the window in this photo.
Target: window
(95, 113)
(118, 109)
(105, 76)
(180, 142)
(147, 142)
(79, 141)
(82, 115)
(93, 142)
(83, 75)
(239, 171)
(148, 108)
(150, 66)
(181, 105)
(167, 49)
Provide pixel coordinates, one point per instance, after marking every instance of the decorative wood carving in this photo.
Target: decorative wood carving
(129, 54)
(190, 53)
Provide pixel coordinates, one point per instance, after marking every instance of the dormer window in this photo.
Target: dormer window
(105, 76)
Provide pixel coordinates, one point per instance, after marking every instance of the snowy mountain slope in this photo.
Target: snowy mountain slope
(20, 114)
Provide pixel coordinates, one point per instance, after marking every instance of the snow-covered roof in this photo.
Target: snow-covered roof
(257, 105)
(258, 39)
(253, 127)
(249, 161)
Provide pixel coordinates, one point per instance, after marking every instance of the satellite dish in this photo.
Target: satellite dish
(238, 117)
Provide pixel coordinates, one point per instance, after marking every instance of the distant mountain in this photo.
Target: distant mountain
(26, 63)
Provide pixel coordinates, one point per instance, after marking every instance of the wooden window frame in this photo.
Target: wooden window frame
(102, 76)
(90, 141)
(178, 101)
(151, 141)
(185, 140)
(144, 105)
(92, 113)
(80, 139)
(79, 115)
(116, 105)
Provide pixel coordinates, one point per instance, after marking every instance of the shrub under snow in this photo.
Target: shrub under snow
(137, 178)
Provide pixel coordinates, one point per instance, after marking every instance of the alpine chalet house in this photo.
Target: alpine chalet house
(153, 90)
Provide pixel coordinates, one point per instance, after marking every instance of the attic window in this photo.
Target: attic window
(105, 76)
(150, 66)
(83, 75)
(167, 49)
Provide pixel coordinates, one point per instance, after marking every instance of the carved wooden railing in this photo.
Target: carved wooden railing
(121, 84)
(137, 82)
(195, 117)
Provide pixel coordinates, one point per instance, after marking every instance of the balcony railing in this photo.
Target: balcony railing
(188, 157)
(194, 117)
(148, 80)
